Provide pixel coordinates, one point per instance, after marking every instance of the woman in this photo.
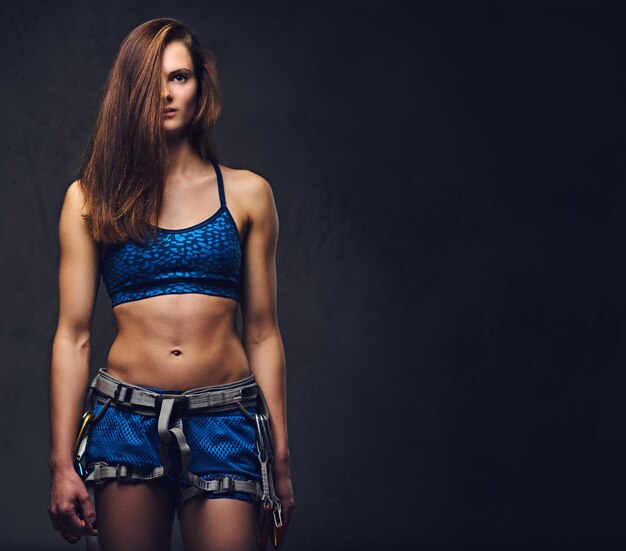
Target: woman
(180, 241)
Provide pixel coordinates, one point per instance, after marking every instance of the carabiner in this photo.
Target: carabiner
(84, 426)
(277, 512)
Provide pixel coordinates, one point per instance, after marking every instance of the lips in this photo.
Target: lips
(170, 110)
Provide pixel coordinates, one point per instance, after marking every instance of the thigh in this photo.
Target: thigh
(222, 524)
(134, 516)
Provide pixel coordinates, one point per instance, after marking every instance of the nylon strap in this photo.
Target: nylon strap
(215, 397)
(171, 431)
(103, 470)
(218, 486)
(93, 542)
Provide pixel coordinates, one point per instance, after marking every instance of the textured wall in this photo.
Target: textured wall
(450, 185)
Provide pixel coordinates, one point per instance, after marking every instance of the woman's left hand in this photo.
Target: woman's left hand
(284, 490)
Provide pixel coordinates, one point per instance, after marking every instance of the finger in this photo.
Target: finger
(85, 529)
(62, 526)
(70, 539)
(89, 516)
(70, 521)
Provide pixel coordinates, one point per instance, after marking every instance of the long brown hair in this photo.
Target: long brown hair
(123, 168)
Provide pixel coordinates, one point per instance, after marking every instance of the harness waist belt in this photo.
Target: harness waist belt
(215, 397)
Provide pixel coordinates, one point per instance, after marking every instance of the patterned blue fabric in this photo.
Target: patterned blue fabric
(125, 438)
(205, 258)
(222, 444)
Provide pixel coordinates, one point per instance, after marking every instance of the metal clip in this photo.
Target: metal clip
(227, 488)
(278, 531)
(84, 426)
(78, 466)
(277, 512)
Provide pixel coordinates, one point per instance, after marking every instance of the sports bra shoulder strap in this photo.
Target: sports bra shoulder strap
(220, 183)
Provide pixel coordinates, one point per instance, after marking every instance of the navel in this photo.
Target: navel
(176, 352)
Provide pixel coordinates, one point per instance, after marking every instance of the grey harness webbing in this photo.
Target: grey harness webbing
(216, 398)
(170, 408)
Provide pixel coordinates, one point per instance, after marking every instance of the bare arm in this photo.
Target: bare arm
(261, 334)
(69, 370)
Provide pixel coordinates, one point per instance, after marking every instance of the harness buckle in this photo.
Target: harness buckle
(124, 403)
(118, 471)
(227, 486)
(181, 403)
(247, 392)
(116, 394)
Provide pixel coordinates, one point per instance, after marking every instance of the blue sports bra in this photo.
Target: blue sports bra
(204, 258)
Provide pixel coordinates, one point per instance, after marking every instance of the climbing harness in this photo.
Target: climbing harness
(169, 410)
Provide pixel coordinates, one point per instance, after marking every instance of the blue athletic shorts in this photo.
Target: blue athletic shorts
(222, 444)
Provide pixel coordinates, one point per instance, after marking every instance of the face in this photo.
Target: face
(180, 87)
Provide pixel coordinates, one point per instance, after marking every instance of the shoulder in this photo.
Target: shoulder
(72, 224)
(74, 200)
(245, 183)
(251, 191)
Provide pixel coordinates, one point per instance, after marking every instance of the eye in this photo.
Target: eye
(180, 75)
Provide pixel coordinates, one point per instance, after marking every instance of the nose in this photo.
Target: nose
(167, 94)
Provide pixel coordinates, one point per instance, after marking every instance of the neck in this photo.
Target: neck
(182, 159)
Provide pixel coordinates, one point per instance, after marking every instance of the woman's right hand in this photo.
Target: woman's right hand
(69, 501)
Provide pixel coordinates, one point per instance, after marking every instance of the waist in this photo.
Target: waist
(178, 364)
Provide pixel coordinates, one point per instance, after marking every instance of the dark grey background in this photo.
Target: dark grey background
(450, 185)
